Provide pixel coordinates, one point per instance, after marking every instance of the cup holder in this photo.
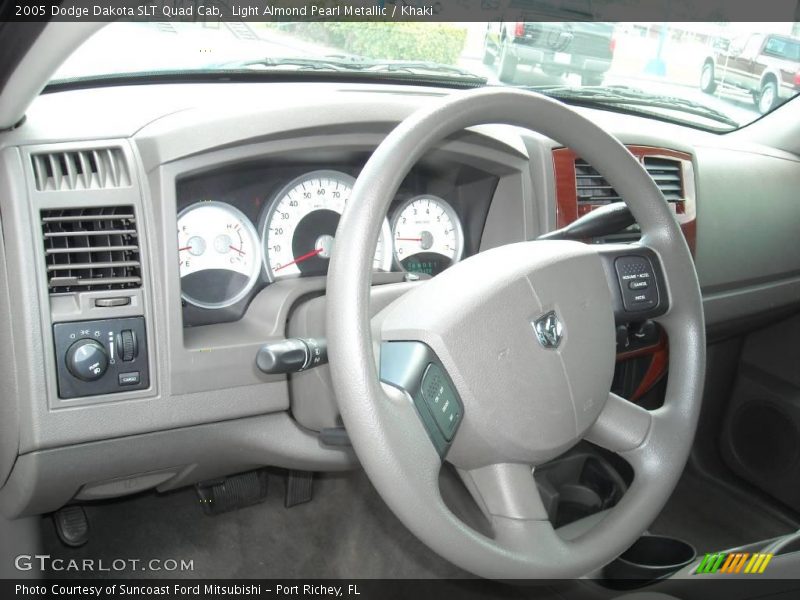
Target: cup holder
(650, 558)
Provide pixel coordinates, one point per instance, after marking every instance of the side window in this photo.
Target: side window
(774, 46)
(736, 46)
(792, 51)
(782, 48)
(753, 46)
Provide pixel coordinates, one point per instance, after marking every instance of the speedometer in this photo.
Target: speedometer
(218, 252)
(298, 228)
(427, 235)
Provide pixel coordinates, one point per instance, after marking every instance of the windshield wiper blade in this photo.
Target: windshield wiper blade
(354, 63)
(623, 95)
(301, 63)
(421, 66)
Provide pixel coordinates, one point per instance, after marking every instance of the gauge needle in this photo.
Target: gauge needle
(237, 250)
(184, 248)
(300, 259)
(409, 239)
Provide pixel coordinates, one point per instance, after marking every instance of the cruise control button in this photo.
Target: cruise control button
(442, 400)
(131, 378)
(638, 286)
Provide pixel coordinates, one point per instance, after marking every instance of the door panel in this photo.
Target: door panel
(761, 429)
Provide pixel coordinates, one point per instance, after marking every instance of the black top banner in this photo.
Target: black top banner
(400, 10)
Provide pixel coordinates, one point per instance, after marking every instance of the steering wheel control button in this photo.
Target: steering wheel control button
(87, 360)
(441, 399)
(129, 378)
(415, 369)
(95, 358)
(637, 283)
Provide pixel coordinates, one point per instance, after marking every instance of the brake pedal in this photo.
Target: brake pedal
(299, 488)
(72, 526)
(232, 493)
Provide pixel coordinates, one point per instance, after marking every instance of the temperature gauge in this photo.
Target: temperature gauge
(218, 248)
(427, 235)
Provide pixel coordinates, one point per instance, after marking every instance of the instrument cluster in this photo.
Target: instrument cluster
(238, 233)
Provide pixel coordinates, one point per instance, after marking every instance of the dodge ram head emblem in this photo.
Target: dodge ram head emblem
(548, 330)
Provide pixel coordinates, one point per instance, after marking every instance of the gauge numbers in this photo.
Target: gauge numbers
(219, 256)
(427, 235)
(298, 229)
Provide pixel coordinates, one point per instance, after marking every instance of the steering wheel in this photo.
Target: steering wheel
(505, 360)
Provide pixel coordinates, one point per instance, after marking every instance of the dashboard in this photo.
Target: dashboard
(245, 227)
(147, 253)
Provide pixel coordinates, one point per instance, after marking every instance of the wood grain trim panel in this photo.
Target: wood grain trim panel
(658, 354)
(567, 209)
(655, 371)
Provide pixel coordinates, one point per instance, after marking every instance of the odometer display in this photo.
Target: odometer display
(298, 229)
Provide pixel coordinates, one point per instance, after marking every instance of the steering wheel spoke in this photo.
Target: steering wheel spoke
(509, 498)
(505, 490)
(622, 425)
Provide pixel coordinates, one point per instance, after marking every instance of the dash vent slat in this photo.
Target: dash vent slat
(98, 169)
(91, 249)
(592, 187)
(667, 174)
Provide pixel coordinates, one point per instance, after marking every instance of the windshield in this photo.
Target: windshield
(717, 76)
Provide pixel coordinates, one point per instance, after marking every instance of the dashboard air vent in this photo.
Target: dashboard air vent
(91, 249)
(591, 186)
(667, 174)
(80, 170)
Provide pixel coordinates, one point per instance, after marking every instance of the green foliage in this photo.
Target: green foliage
(440, 43)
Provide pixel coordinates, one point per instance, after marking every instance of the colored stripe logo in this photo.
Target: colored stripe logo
(733, 562)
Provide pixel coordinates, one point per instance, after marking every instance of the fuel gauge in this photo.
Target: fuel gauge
(219, 254)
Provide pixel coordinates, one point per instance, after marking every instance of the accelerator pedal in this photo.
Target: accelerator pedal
(72, 526)
(232, 493)
(299, 488)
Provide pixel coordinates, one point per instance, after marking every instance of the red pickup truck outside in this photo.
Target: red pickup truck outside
(765, 65)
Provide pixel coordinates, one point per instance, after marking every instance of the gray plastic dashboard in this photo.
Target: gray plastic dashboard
(207, 410)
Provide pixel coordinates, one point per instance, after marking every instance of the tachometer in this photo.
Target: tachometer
(298, 229)
(219, 256)
(427, 235)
